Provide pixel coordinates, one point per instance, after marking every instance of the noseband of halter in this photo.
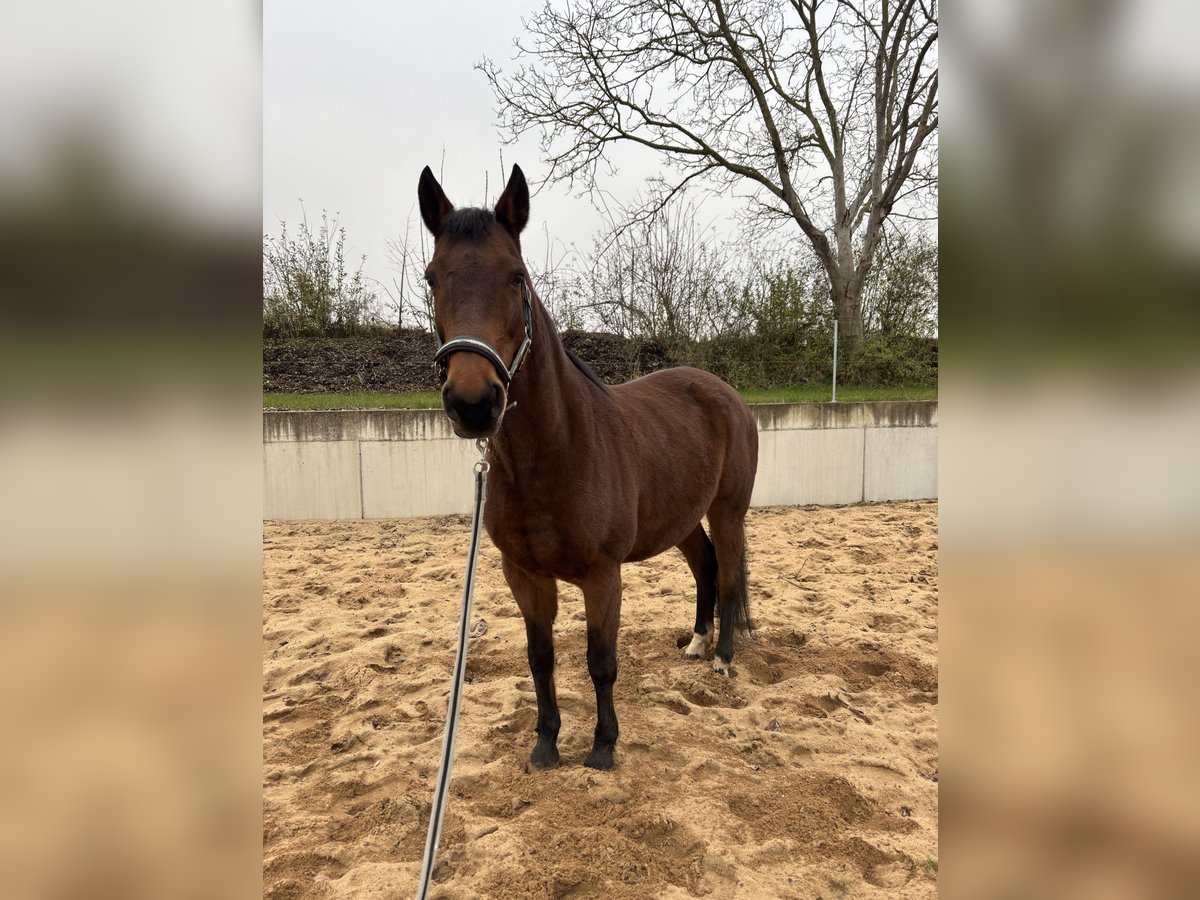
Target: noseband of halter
(486, 350)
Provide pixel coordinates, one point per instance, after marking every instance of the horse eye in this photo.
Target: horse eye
(517, 279)
(431, 281)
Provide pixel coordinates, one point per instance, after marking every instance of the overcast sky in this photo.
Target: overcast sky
(359, 96)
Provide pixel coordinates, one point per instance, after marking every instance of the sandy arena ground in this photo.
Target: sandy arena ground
(811, 773)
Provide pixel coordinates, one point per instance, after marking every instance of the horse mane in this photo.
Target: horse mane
(469, 222)
(575, 360)
(586, 370)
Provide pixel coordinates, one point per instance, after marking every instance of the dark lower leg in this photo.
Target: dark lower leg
(729, 543)
(541, 666)
(537, 598)
(725, 639)
(602, 665)
(602, 603)
(702, 560)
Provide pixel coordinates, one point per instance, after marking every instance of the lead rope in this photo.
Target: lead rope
(438, 809)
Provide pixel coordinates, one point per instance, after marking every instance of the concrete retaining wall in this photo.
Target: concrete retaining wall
(377, 464)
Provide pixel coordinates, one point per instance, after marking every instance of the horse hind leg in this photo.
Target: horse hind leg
(701, 558)
(729, 542)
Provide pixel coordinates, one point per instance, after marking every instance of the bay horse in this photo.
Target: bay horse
(583, 476)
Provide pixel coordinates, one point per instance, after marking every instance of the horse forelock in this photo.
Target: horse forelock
(473, 224)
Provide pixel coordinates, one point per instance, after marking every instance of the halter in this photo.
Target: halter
(486, 350)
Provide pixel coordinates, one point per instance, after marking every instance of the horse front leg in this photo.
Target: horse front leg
(602, 605)
(537, 598)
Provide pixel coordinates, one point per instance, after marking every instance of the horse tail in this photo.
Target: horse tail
(741, 599)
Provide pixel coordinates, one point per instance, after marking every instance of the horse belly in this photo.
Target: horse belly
(670, 511)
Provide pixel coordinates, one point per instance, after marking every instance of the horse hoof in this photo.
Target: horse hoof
(544, 758)
(721, 667)
(695, 650)
(600, 758)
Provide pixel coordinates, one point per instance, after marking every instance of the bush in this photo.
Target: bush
(884, 359)
(307, 290)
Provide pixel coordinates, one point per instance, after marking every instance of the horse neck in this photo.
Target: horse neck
(549, 401)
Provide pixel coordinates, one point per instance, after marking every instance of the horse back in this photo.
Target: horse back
(687, 440)
(689, 404)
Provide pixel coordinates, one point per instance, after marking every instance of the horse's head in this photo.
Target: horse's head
(481, 299)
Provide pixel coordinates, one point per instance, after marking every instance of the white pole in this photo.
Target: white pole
(834, 400)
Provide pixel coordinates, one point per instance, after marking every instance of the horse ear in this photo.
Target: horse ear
(512, 209)
(434, 205)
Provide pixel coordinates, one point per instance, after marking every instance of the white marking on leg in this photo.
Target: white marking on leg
(699, 644)
(721, 666)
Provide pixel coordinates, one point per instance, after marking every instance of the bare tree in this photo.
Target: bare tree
(557, 283)
(409, 295)
(824, 108)
(658, 277)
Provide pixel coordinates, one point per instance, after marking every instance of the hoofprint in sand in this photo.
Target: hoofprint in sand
(811, 772)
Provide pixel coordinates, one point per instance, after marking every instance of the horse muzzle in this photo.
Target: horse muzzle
(475, 416)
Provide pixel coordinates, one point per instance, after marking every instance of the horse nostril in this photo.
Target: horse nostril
(475, 415)
(450, 403)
